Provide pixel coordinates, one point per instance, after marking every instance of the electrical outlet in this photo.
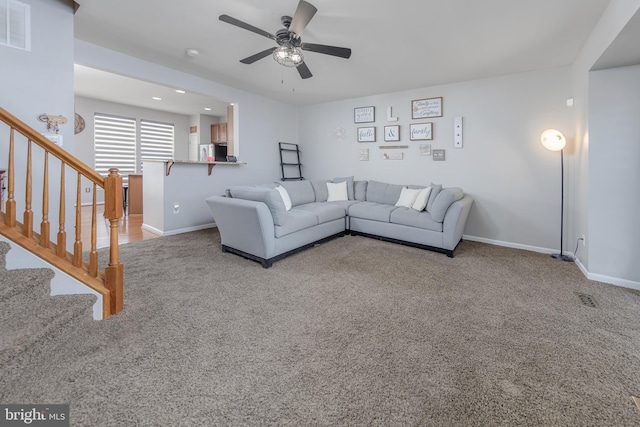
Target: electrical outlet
(176, 208)
(87, 190)
(584, 240)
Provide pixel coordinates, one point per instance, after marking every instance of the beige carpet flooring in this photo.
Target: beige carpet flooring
(352, 332)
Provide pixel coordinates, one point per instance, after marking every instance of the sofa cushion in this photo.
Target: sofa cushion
(320, 190)
(414, 218)
(298, 220)
(371, 210)
(269, 196)
(349, 181)
(435, 189)
(324, 211)
(444, 199)
(301, 192)
(285, 197)
(423, 198)
(337, 191)
(360, 190)
(407, 197)
(381, 192)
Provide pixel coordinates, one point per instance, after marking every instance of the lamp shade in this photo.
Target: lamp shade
(553, 140)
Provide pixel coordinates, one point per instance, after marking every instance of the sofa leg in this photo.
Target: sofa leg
(266, 263)
(449, 254)
(224, 249)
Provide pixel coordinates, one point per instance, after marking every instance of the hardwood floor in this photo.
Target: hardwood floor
(130, 229)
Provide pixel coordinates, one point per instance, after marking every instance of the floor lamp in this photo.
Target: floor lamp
(555, 141)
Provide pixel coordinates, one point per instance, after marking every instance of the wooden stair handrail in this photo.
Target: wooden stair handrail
(109, 284)
(33, 135)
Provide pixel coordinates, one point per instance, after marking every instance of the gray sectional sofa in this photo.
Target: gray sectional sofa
(266, 224)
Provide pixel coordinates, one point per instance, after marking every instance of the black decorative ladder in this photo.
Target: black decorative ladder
(287, 162)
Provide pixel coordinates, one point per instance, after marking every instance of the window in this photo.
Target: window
(15, 24)
(156, 141)
(115, 145)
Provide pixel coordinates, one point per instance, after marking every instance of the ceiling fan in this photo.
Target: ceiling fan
(290, 45)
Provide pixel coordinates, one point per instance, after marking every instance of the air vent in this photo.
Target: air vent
(15, 24)
(587, 300)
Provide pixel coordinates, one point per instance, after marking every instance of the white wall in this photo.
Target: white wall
(87, 107)
(36, 82)
(613, 20)
(515, 181)
(614, 173)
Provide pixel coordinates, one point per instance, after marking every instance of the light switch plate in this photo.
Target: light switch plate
(457, 132)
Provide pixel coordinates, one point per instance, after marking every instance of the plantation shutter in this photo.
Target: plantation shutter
(156, 141)
(115, 145)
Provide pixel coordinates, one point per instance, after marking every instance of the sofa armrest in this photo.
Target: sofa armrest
(454, 222)
(245, 225)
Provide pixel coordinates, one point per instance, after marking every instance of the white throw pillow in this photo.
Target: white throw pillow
(407, 197)
(337, 191)
(285, 196)
(422, 199)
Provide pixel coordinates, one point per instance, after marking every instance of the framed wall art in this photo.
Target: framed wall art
(392, 133)
(438, 154)
(367, 134)
(364, 115)
(426, 108)
(425, 149)
(421, 131)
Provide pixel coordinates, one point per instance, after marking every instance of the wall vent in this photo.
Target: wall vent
(15, 24)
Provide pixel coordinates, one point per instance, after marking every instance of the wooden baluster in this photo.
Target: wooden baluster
(61, 249)
(77, 245)
(27, 222)
(44, 225)
(93, 255)
(10, 207)
(113, 273)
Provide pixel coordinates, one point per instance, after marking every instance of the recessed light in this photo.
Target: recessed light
(157, 98)
(207, 108)
(180, 91)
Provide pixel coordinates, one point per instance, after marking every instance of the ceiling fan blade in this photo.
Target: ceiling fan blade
(303, 15)
(233, 21)
(253, 58)
(304, 71)
(341, 52)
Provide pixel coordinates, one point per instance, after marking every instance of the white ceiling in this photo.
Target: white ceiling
(397, 45)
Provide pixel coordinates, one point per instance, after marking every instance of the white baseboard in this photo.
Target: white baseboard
(624, 283)
(591, 276)
(178, 231)
(511, 245)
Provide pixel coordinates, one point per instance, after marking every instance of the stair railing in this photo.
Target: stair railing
(109, 283)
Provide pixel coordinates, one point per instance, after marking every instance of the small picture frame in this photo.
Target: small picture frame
(426, 108)
(421, 131)
(425, 149)
(364, 115)
(392, 133)
(367, 134)
(438, 154)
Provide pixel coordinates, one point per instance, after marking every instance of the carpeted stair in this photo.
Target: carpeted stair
(28, 314)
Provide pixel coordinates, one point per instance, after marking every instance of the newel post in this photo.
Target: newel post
(113, 273)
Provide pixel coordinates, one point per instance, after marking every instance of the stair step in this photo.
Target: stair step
(35, 283)
(4, 248)
(24, 325)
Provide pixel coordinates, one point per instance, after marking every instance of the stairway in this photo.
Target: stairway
(29, 315)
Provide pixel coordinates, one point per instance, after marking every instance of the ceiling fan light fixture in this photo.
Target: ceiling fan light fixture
(288, 55)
